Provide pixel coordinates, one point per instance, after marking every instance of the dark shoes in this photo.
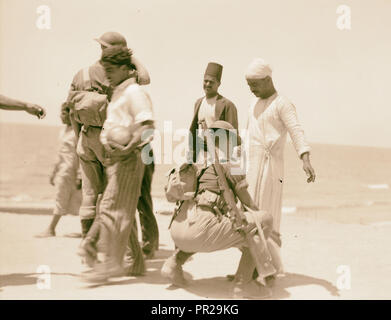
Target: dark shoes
(149, 249)
(86, 226)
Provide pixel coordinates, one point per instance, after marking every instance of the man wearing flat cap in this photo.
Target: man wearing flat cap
(90, 150)
(150, 231)
(210, 108)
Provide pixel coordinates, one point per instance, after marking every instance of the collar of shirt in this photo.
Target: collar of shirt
(118, 90)
(211, 101)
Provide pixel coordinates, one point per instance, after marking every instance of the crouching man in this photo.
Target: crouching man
(205, 222)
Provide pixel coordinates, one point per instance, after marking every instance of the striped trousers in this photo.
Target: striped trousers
(118, 206)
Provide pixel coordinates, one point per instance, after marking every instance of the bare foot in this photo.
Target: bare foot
(251, 290)
(173, 271)
(46, 234)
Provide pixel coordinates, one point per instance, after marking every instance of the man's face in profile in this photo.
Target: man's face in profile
(65, 116)
(259, 87)
(114, 73)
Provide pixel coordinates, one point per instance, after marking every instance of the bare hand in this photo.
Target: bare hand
(140, 137)
(36, 110)
(116, 150)
(51, 180)
(309, 171)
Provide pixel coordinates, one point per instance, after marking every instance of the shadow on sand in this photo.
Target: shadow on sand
(220, 287)
(216, 287)
(152, 276)
(23, 279)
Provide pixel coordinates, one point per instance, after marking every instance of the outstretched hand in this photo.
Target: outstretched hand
(36, 110)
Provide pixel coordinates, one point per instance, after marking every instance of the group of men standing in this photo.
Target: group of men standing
(199, 226)
(106, 98)
(271, 117)
(114, 179)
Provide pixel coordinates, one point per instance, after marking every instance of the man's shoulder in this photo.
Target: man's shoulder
(197, 105)
(282, 101)
(225, 101)
(135, 95)
(199, 100)
(94, 68)
(131, 88)
(282, 98)
(94, 72)
(97, 72)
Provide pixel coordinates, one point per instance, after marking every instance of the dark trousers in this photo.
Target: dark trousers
(149, 227)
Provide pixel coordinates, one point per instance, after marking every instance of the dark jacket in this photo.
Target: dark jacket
(224, 110)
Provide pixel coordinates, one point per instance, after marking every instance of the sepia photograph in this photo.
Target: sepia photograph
(195, 150)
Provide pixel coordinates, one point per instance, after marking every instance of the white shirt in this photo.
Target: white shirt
(129, 107)
(207, 110)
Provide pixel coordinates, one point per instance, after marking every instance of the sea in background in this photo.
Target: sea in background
(353, 184)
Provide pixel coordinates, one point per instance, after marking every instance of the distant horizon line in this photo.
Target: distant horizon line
(310, 142)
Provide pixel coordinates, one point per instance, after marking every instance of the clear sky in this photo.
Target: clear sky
(338, 79)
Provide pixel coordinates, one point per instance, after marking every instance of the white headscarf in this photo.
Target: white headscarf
(258, 69)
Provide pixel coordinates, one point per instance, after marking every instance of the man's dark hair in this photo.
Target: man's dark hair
(117, 55)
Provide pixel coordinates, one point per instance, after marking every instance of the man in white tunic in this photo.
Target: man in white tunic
(271, 117)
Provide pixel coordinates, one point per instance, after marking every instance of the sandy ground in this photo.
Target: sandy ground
(312, 251)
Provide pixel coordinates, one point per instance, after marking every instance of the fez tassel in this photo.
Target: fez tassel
(168, 310)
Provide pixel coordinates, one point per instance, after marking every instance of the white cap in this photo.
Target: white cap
(258, 69)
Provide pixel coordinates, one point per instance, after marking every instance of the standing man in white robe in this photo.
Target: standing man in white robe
(271, 117)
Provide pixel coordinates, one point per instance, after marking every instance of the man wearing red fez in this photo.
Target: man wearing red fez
(210, 108)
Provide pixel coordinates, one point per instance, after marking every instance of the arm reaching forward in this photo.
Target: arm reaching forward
(142, 72)
(17, 105)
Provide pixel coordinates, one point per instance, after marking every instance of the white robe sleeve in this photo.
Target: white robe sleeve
(288, 115)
